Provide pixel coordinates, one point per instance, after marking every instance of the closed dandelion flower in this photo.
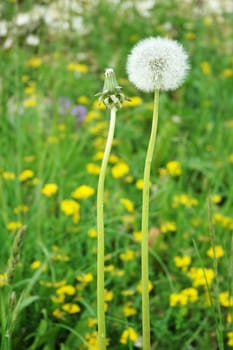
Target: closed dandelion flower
(157, 63)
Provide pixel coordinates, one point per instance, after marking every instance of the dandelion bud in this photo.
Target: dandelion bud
(111, 95)
(157, 63)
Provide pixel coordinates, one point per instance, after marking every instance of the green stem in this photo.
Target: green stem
(100, 230)
(145, 233)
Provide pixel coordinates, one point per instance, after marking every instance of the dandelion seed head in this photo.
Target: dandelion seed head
(157, 63)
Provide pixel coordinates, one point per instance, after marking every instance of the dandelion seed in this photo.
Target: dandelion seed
(157, 63)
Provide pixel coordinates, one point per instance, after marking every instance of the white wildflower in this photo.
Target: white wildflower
(3, 28)
(157, 63)
(32, 40)
(22, 19)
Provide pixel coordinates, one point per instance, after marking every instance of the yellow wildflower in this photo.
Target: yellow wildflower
(182, 261)
(150, 286)
(21, 209)
(205, 68)
(168, 226)
(69, 207)
(128, 204)
(215, 252)
(98, 105)
(226, 73)
(58, 314)
(201, 276)
(226, 299)
(133, 101)
(129, 310)
(26, 175)
(190, 36)
(77, 67)
(173, 168)
(66, 289)
(71, 308)
(85, 278)
(120, 169)
(139, 184)
(34, 62)
(230, 339)
(83, 100)
(128, 334)
(128, 255)
(92, 232)
(35, 264)
(216, 198)
(92, 322)
(83, 192)
(14, 225)
(58, 299)
(137, 236)
(3, 279)
(93, 168)
(8, 175)
(184, 199)
(30, 102)
(49, 190)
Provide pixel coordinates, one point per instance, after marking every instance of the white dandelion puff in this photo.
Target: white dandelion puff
(157, 63)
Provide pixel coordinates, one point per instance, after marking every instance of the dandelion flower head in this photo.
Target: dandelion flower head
(157, 63)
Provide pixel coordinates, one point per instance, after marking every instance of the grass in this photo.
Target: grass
(57, 269)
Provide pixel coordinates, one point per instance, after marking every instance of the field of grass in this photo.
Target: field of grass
(52, 137)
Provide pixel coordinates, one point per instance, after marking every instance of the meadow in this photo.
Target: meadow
(52, 135)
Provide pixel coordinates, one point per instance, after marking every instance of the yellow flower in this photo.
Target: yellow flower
(128, 334)
(58, 299)
(30, 90)
(139, 184)
(85, 278)
(35, 264)
(168, 226)
(173, 168)
(182, 261)
(120, 169)
(216, 198)
(184, 199)
(69, 207)
(77, 67)
(205, 67)
(92, 322)
(150, 286)
(71, 308)
(58, 314)
(230, 339)
(215, 252)
(30, 102)
(49, 190)
(187, 295)
(83, 100)
(66, 289)
(191, 293)
(14, 225)
(129, 206)
(137, 236)
(93, 168)
(92, 232)
(128, 255)
(83, 192)
(226, 73)
(226, 299)
(201, 276)
(108, 295)
(133, 101)
(3, 279)
(190, 36)
(26, 175)
(8, 175)
(129, 310)
(34, 62)
(21, 209)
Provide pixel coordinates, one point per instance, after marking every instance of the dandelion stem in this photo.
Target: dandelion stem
(100, 230)
(145, 234)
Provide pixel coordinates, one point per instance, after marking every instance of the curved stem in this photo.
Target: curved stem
(100, 230)
(145, 234)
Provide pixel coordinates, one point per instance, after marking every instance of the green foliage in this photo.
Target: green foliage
(52, 129)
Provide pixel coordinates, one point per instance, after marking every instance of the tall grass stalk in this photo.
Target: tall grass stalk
(100, 230)
(145, 233)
